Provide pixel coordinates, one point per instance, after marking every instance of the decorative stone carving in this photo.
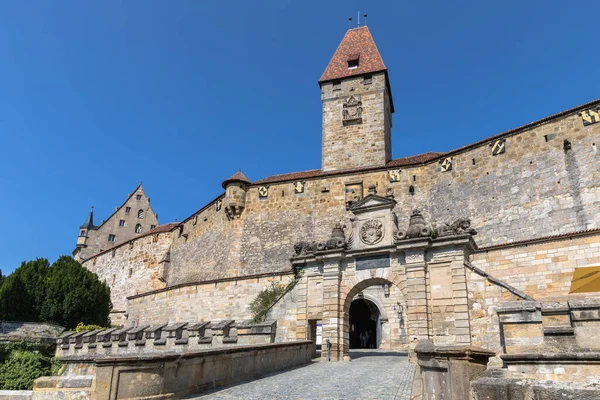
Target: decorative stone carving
(459, 227)
(305, 248)
(350, 241)
(371, 232)
(417, 227)
(337, 239)
(352, 112)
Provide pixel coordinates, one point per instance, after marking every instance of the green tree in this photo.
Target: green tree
(24, 291)
(74, 294)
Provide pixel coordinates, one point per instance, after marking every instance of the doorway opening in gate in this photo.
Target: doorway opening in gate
(365, 324)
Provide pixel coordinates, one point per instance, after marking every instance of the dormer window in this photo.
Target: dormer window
(353, 61)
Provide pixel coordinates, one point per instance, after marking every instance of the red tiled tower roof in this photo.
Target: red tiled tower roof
(356, 44)
(237, 177)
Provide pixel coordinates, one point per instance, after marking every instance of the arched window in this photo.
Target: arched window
(138, 228)
(140, 213)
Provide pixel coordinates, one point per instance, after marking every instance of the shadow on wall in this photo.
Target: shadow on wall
(354, 354)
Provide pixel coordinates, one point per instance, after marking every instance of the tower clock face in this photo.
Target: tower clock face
(394, 175)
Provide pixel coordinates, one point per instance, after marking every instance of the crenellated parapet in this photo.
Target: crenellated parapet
(180, 337)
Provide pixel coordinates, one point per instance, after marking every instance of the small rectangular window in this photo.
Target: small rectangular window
(127, 210)
(138, 197)
(368, 79)
(122, 222)
(152, 226)
(82, 233)
(353, 64)
(337, 85)
(112, 238)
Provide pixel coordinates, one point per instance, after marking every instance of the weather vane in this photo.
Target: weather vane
(358, 20)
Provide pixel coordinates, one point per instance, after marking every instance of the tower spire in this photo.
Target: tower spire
(89, 222)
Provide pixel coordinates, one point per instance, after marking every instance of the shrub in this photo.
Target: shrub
(83, 327)
(22, 363)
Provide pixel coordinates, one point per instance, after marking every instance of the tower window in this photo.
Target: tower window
(140, 214)
(337, 85)
(127, 210)
(152, 226)
(353, 61)
(112, 238)
(368, 79)
(82, 233)
(122, 222)
(138, 197)
(138, 228)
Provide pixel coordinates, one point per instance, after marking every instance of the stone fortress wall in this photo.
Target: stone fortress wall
(534, 189)
(134, 267)
(542, 270)
(224, 299)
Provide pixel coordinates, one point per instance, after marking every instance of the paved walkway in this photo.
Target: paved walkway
(372, 375)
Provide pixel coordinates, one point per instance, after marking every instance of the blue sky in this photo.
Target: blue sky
(98, 96)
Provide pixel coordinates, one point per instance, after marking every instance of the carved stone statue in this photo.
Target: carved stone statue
(459, 227)
(305, 248)
(417, 227)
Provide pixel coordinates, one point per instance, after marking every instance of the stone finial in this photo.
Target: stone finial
(337, 239)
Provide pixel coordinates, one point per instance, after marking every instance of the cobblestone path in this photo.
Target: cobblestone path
(371, 375)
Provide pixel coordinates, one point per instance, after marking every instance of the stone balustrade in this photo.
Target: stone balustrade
(552, 352)
(557, 326)
(180, 337)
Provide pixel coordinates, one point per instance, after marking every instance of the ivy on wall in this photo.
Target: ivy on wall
(268, 297)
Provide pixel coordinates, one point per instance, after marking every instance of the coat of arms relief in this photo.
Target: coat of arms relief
(352, 111)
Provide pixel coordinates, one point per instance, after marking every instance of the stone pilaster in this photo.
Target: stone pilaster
(449, 303)
(333, 320)
(301, 321)
(416, 290)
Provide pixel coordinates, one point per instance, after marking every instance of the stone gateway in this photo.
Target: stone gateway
(425, 247)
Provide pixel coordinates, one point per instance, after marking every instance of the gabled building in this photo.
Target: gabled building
(131, 219)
